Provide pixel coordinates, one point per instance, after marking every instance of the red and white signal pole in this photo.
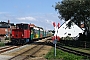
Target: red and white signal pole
(55, 37)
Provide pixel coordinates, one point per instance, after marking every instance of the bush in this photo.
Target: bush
(67, 38)
(2, 44)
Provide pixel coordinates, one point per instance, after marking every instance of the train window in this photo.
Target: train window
(22, 26)
(0, 24)
(25, 26)
(18, 26)
(32, 31)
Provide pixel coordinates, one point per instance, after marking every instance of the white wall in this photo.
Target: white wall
(63, 31)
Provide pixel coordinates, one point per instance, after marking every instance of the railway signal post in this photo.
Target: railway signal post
(55, 38)
(55, 42)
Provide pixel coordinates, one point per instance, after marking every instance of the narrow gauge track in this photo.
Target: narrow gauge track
(30, 52)
(73, 51)
(7, 48)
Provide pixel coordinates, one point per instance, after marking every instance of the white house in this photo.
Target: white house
(64, 30)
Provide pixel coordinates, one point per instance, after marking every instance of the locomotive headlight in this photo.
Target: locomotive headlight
(12, 36)
(22, 35)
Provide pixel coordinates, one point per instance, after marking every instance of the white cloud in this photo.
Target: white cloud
(22, 22)
(49, 21)
(27, 18)
(42, 20)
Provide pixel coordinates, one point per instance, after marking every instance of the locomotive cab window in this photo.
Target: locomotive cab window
(22, 26)
(25, 26)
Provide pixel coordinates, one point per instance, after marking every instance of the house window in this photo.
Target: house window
(69, 34)
(65, 33)
(66, 27)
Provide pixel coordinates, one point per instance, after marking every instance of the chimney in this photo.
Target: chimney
(8, 21)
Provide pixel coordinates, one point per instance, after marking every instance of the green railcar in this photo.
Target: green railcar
(44, 33)
(32, 34)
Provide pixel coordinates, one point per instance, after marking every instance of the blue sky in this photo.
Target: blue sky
(39, 12)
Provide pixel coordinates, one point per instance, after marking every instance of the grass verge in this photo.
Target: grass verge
(61, 55)
(2, 44)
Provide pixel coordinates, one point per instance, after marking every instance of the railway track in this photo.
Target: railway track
(73, 51)
(7, 48)
(33, 53)
(70, 50)
(30, 52)
(27, 54)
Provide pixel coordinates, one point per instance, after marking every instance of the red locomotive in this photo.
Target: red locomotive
(25, 33)
(21, 34)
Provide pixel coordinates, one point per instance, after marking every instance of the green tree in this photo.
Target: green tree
(79, 10)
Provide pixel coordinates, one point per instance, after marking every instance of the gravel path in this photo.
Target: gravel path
(4, 57)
